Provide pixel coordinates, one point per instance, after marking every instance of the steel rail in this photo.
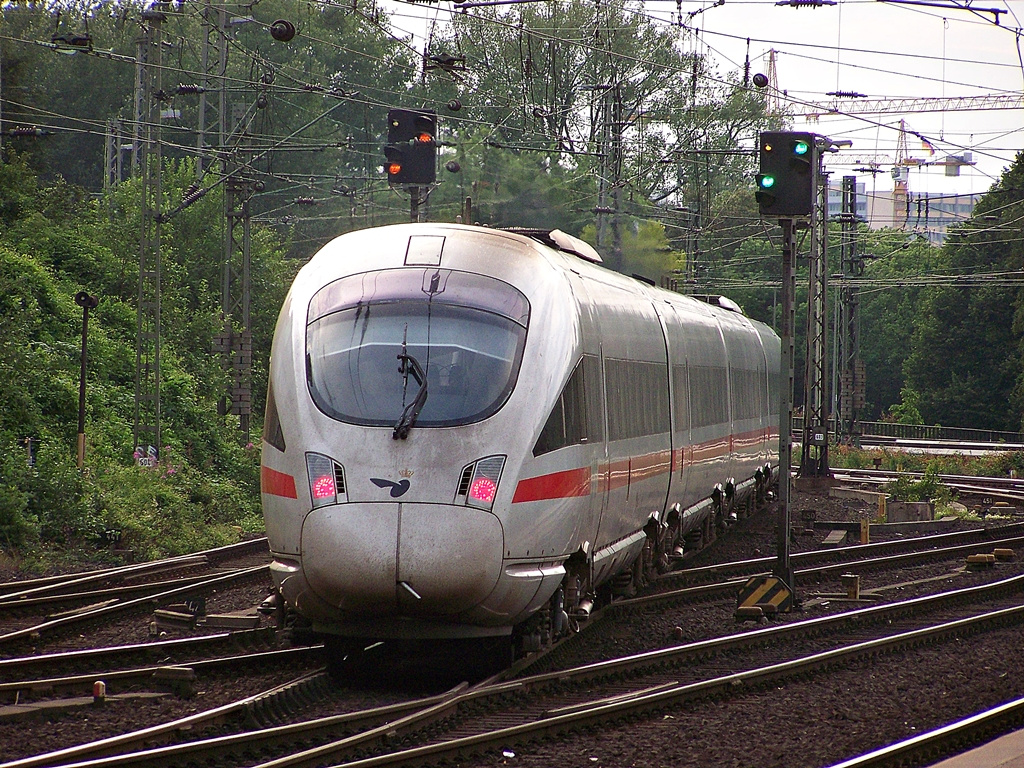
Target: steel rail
(164, 730)
(37, 630)
(728, 586)
(994, 486)
(41, 585)
(18, 665)
(645, 702)
(93, 577)
(98, 595)
(757, 565)
(137, 674)
(927, 746)
(417, 714)
(370, 719)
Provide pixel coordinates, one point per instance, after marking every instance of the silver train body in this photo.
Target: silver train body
(574, 429)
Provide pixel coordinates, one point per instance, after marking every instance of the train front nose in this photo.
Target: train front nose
(382, 559)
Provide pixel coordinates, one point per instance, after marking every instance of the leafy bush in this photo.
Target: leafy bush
(56, 242)
(17, 525)
(928, 488)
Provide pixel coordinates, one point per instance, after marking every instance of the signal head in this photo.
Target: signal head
(786, 179)
(411, 150)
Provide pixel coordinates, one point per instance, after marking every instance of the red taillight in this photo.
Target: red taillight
(326, 480)
(323, 487)
(483, 485)
(483, 489)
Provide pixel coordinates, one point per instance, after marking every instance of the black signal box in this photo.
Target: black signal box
(787, 178)
(411, 151)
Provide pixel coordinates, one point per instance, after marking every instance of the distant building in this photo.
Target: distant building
(835, 200)
(929, 214)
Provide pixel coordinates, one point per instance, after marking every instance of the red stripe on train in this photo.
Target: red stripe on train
(277, 483)
(621, 472)
(557, 485)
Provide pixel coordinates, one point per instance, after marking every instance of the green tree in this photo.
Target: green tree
(966, 357)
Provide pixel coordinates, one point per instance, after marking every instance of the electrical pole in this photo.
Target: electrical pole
(783, 566)
(605, 169)
(235, 341)
(615, 163)
(213, 90)
(814, 457)
(850, 395)
(218, 125)
(147, 156)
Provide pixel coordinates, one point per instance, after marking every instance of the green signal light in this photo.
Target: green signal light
(767, 181)
(801, 147)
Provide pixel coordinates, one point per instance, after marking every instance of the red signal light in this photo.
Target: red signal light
(394, 169)
(424, 138)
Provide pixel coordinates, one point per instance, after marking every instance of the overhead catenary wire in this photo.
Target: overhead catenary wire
(522, 147)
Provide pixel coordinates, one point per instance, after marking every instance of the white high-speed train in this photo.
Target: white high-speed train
(473, 432)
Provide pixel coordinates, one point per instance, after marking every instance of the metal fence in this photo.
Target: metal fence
(927, 432)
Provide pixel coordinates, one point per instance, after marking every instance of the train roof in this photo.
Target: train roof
(556, 238)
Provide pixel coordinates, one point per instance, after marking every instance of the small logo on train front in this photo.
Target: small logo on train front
(397, 489)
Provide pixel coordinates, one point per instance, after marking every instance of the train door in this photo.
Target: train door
(674, 319)
(594, 397)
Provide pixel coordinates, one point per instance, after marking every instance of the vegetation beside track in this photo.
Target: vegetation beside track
(1002, 464)
(54, 242)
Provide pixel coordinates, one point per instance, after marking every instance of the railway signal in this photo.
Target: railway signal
(411, 151)
(786, 181)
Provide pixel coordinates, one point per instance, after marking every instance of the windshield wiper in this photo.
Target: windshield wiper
(410, 364)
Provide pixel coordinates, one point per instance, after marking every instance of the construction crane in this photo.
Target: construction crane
(888, 106)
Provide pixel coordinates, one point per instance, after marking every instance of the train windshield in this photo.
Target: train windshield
(467, 332)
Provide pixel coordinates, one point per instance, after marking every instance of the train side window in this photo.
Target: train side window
(774, 393)
(681, 395)
(272, 431)
(708, 388)
(637, 398)
(594, 394)
(567, 423)
(747, 397)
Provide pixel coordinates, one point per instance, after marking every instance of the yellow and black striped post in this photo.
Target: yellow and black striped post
(763, 596)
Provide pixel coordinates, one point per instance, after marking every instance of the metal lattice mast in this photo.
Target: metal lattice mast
(147, 150)
(237, 279)
(236, 341)
(213, 91)
(604, 153)
(814, 459)
(850, 397)
(113, 162)
(219, 128)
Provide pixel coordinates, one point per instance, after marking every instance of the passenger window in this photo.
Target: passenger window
(567, 423)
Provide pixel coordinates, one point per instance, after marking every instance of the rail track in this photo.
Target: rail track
(949, 739)
(54, 585)
(723, 580)
(501, 714)
(65, 604)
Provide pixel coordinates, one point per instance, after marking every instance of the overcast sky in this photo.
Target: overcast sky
(879, 49)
